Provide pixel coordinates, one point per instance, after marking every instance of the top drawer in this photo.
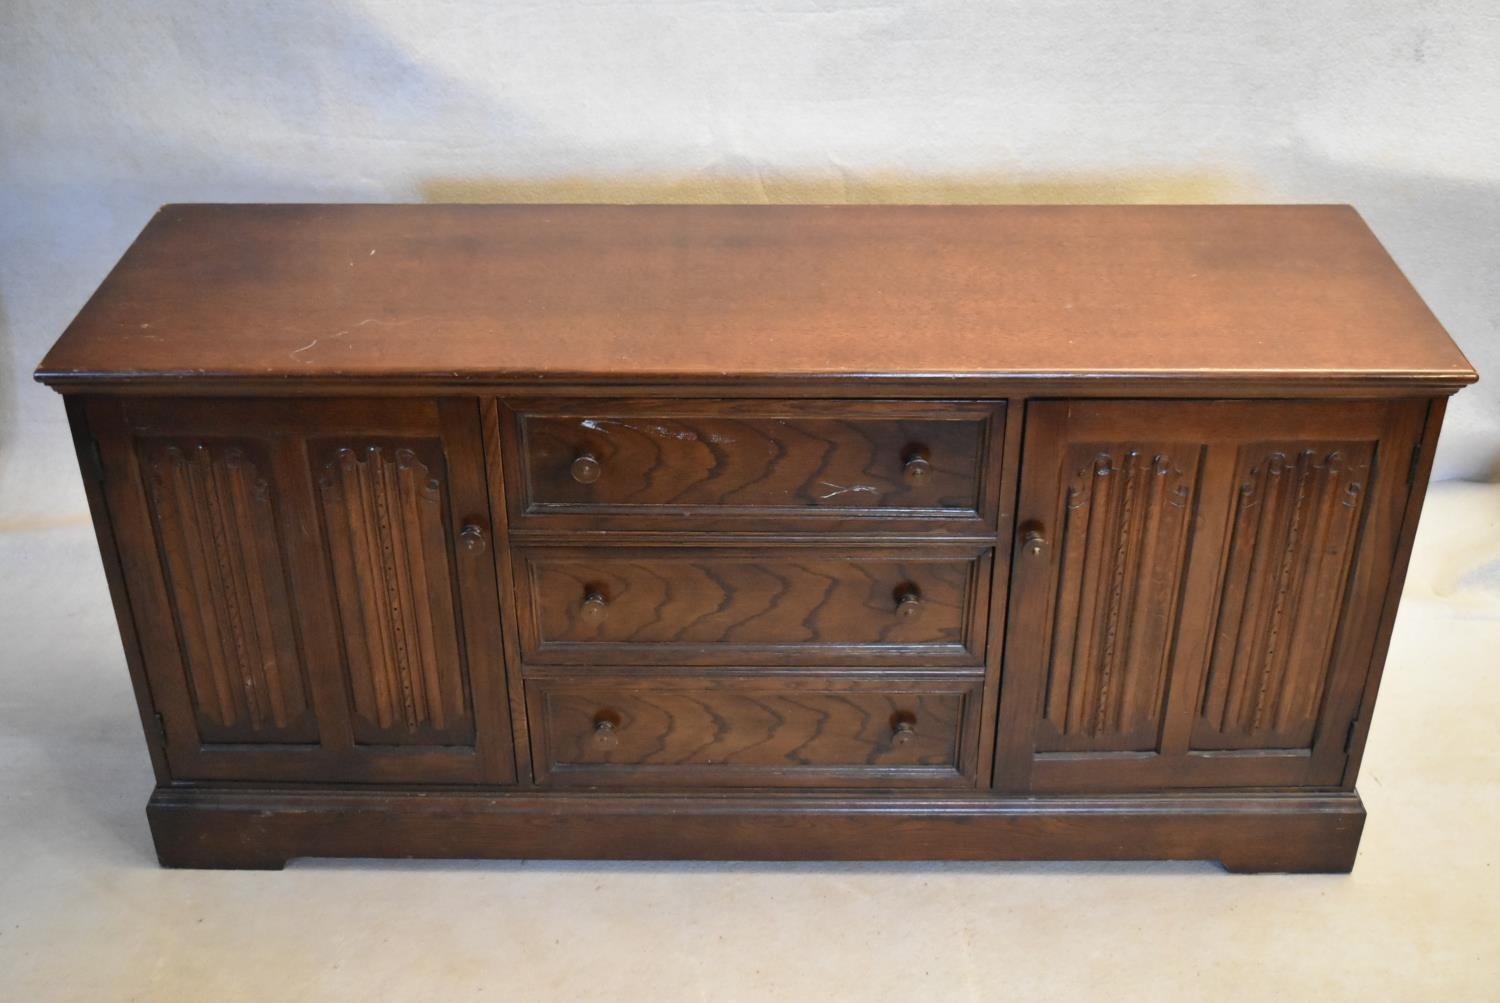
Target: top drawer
(579, 464)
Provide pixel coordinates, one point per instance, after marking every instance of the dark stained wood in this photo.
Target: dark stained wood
(1293, 534)
(748, 466)
(693, 606)
(742, 532)
(91, 467)
(644, 458)
(1420, 474)
(444, 294)
(295, 574)
(1007, 453)
(1120, 539)
(212, 507)
(383, 518)
(1246, 832)
(759, 731)
(1205, 585)
(509, 651)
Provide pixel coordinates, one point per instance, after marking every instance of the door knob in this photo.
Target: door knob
(1033, 540)
(586, 468)
(472, 537)
(908, 602)
(594, 607)
(916, 467)
(605, 735)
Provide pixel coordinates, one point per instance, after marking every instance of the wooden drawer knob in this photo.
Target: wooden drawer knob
(586, 468)
(472, 537)
(916, 467)
(594, 608)
(904, 731)
(908, 602)
(605, 734)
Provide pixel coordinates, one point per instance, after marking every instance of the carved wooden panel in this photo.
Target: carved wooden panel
(739, 731)
(393, 580)
(216, 530)
(1121, 548)
(1290, 547)
(704, 605)
(649, 459)
(1246, 618)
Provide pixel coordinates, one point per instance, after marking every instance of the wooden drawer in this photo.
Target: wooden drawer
(704, 606)
(590, 464)
(753, 732)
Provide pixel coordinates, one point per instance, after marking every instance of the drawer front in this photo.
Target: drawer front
(686, 606)
(752, 732)
(725, 460)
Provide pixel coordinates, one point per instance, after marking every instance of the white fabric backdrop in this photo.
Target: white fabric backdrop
(108, 109)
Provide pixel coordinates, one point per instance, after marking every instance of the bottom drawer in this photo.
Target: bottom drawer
(761, 731)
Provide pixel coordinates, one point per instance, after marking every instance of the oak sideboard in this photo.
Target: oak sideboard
(750, 532)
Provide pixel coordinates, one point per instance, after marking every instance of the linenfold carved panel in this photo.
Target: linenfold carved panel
(226, 581)
(1290, 548)
(383, 516)
(1121, 549)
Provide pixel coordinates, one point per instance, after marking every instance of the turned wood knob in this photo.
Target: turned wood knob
(586, 468)
(472, 537)
(908, 603)
(917, 467)
(594, 607)
(904, 731)
(1034, 541)
(605, 736)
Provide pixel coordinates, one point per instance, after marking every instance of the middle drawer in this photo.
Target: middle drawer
(748, 605)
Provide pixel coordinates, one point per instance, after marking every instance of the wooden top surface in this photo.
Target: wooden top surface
(455, 293)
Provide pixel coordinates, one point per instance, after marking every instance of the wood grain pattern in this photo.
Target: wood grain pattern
(454, 295)
(655, 460)
(216, 528)
(1121, 547)
(689, 605)
(1221, 643)
(662, 467)
(383, 513)
(711, 510)
(1290, 547)
(1419, 474)
(89, 454)
(1246, 831)
(294, 447)
(759, 732)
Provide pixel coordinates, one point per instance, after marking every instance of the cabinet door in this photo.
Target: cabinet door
(1196, 590)
(312, 586)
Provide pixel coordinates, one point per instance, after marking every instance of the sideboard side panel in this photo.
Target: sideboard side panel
(91, 466)
(1419, 476)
